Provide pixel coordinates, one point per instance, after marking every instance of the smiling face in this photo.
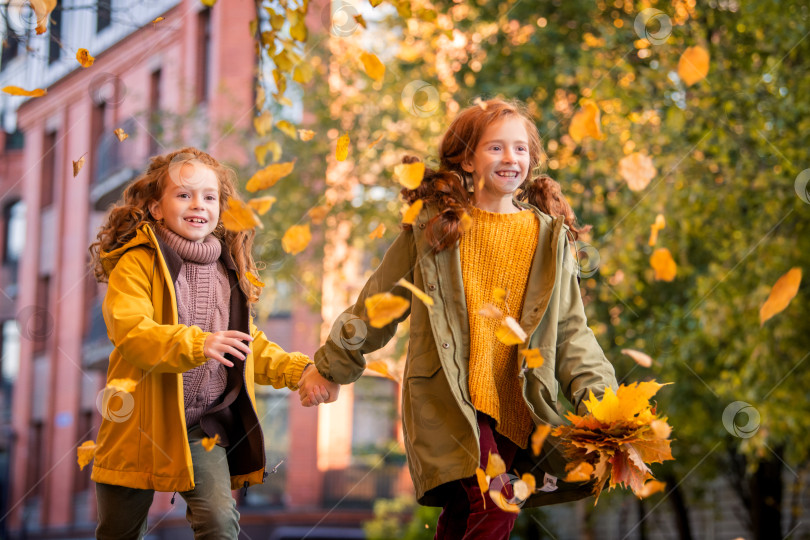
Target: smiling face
(501, 161)
(189, 205)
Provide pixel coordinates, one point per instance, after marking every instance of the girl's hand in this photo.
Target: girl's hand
(314, 388)
(218, 344)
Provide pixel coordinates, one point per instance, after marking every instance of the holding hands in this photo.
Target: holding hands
(314, 388)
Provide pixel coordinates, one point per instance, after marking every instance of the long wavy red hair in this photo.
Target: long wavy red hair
(447, 187)
(132, 211)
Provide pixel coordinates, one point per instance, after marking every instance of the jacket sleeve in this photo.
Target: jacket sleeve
(580, 362)
(273, 365)
(341, 358)
(130, 317)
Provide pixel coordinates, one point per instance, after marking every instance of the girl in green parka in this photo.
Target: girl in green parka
(177, 310)
(491, 243)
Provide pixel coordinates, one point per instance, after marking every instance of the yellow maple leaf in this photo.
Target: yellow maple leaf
(781, 294)
(262, 149)
(650, 487)
(501, 502)
(586, 122)
(659, 224)
(410, 213)
(539, 437)
(287, 128)
(495, 465)
(623, 405)
(209, 442)
(303, 73)
(466, 222)
(534, 359)
(530, 480)
(483, 483)
(580, 473)
(490, 311)
(427, 300)
(318, 213)
(664, 265)
(637, 170)
(377, 232)
(262, 205)
(661, 429)
(381, 367)
(510, 332)
(693, 65)
(157, 20)
(306, 134)
(77, 165)
(84, 58)
(410, 174)
(17, 91)
(342, 147)
(254, 280)
(382, 308)
(372, 66)
(42, 9)
(499, 294)
(296, 239)
(85, 453)
(263, 123)
(373, 143)
(481, 103)
(268, 176)
(121, 134)
(239, 217)
(639, 357)
(127, 385)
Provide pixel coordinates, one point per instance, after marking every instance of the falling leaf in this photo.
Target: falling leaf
(520, 489)
(85, 453)
(659, 224)
(664, 265)
(580, 473)
(318, 213)
(127, 385)
(157, 20)
(534, 359)
(483, 483)
(481, 103)
(360, 20)
(77, 165)
(427, 300)
(306, 134)
(586, 122)
(637, 170)
(782, 293)
(239, 217)
(410, 213)
(287, 128)
(495, 465)
(121, 134)
(262, 205)
(17, 91)
(501, 502)
(268, 176)
(490, 311)
(303, 73)
(42, 9)
(263, 123)
(84, 58)
(261, 96)
(465, 223)
(661, 429)
(382, 308)
(639, 357)
(499, 294)
(377, 232)
(651, 487)
(342, 148)
(693, 65)
(530, 481)
(539, 437)
(375, 141)
(296, 239)
(510, 332)
(262, 149)
(381, 367)
(254, 280)
(410, 174)
(209, 442)
(375, 3)
(372, 66)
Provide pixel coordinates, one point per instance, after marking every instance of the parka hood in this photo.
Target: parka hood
(144, 236)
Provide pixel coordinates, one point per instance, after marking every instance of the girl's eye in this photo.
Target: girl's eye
(495, 148)
(522, 148)
(211, 198)
(182, 194)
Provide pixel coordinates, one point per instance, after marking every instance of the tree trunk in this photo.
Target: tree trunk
(766, 497)
(679, 508)
(642, 520)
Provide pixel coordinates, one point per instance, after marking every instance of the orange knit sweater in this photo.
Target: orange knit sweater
(497, 252)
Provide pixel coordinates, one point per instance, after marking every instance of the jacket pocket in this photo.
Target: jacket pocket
(423, 365)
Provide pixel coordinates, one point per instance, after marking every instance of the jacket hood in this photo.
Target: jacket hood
(144, 236)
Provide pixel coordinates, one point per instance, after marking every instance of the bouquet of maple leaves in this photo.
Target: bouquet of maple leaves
(617, 439)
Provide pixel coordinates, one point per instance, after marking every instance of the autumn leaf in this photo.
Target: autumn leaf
(296, 239)
(581, 472)
(303, 73)
(42, 9)
(306, 134)
(539, 437)
(85, 453)
(659, 224)
(381, 367)
(499, 294)
(534, 359)
(263, 123)
(410, 213)
(586, 122)
(495, 465)
(17, 91)
(239, 217)
(782, 293)
(490, 311)
(483, 483)
(127, 385)
(639, 357)
(660, 428)
(121, 134)
(637, 170)
(360, 20)
(77, 165)
(500, 501)
(373, 143)
(209, 442)
(465, 223)
(510, 332)
(382, 308)
(377, 232)
(287, 128)
(664, 265)
(427, 300)
(410, 174)
(342, 147)
(261, 151)
(318, 213)
(530, 481)
(481, 103)
(650, 487)
(157, 20)
(693, 65)
(268, 176)
(208, 3)
(84, 58)
(262, 205)
(254, 280)
(372, 66)
(624, 404)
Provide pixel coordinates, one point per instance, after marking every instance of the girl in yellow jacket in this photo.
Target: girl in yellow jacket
(177, 310)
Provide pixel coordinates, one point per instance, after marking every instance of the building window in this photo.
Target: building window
(11, 355)
(48, 170)
(373, 420)
(203, 54)
(39, 325)
(103, 14)
(97, 130)
(14, 226)
(55, 45)
(14, 141)
(155, 128)
(10, 49)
